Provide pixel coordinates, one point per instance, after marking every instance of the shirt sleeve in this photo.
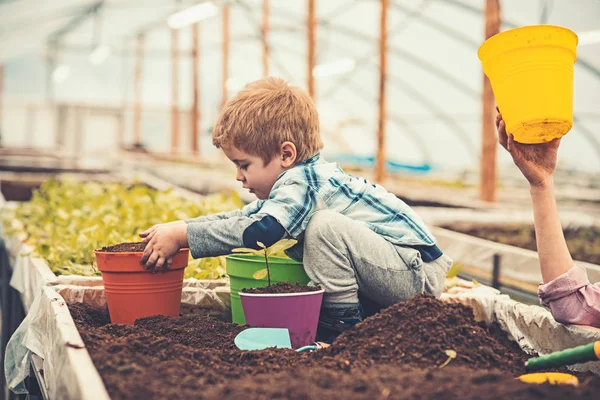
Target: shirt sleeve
(292, 204)
(246, 211)
(572, 299)
(220, 237)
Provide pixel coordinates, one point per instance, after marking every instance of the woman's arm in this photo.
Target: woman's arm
(537, 163)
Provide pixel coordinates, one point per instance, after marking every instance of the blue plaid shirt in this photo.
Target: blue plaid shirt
(315, 185)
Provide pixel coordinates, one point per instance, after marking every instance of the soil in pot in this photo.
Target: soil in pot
(127, 247)
(394, 354)
(282, 287)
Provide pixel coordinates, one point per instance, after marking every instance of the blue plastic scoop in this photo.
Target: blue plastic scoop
(263, 338)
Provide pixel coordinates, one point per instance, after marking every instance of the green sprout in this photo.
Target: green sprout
(451, 356)
(265, 251)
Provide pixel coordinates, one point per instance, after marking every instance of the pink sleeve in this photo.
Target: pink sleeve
(572, 299)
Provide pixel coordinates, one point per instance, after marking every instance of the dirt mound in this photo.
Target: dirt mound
(418, 333)
(395, 354)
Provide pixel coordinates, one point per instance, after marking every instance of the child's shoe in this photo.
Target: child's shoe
(337, 318)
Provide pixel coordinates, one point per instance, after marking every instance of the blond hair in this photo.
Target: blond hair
(266, 113)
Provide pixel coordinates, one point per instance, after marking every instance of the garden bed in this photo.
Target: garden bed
(583, 242)
(395, 354)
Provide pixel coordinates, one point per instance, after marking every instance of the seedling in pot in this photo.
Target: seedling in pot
(265, 251)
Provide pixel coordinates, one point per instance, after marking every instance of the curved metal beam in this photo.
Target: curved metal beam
(474, 10)
(364, 95)
(399, 121)
(589, 135)
(452, 124)
(429, 67)
(366, 59)
(433, 108)
(413, 59)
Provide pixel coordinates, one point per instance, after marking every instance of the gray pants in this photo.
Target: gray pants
(345, 257)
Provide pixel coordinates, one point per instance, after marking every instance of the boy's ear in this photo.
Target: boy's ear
(288, 154)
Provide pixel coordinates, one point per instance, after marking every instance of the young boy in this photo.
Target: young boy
(355, 238)
(566, 290)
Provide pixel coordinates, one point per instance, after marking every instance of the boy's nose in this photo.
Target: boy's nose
(239, 176)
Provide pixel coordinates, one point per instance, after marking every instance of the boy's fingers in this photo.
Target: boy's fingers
(497, 109)
(159, 263)
(166, 264)
(152, 261)
(146, 255)
(147, 231)
(148, 238)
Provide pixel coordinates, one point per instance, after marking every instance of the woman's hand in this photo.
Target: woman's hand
(536, 161)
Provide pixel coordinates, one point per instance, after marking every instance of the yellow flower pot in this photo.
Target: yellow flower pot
(531, 72)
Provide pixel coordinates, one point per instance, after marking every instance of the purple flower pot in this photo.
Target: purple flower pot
(298, 312)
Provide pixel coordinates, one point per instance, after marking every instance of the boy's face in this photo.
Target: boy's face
(253, 173)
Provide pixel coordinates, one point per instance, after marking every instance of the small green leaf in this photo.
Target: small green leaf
(260, 274)
(248, 251)
(454, 270)
(282, 245)
(451, 356)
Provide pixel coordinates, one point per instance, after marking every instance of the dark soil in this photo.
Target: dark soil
(87, 316)
(215, 334)
(419, 332)
(394, 382)
(128, 247)
(583, 242)
(395, 354)
(282, 287)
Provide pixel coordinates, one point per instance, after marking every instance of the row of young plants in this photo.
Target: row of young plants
(66, 220)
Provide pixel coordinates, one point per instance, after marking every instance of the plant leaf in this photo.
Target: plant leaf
(454, 270)
(66, 220)
(261, 245)
(248, 251)
(260, 274)
(282, 245)
(451, 356)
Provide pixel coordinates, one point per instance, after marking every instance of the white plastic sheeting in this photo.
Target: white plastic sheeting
(516, 263)
(49, 331)
(532, 327)
(30, 274)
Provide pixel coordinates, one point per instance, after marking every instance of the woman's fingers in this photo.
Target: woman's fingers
(502, 136)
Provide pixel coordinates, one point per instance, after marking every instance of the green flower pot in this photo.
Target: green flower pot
(240, 269)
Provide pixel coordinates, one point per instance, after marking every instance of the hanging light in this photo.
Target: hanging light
(100, 54)
(192, 15)
(336, 67)
(61, 73)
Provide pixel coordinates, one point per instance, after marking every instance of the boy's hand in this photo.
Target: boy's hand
(148, 233)
(536, 161)
(164, 241)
